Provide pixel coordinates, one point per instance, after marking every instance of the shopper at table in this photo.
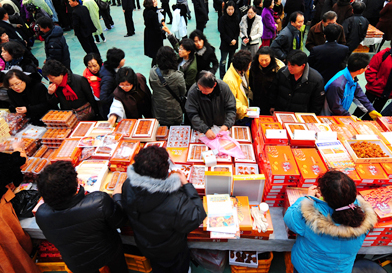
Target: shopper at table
(343, 89)
(210, 102)
(70, 90)
(237, 78)
(205, 53)
(297, 87)
(331, 224)
(132, 97)
(263, 71)
(26, 97)
(355, 27)
(93, 63)
(87, 223)
(163, 208)
(15, 243)
(379, 81)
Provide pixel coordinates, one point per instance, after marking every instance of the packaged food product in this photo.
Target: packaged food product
(125, 151)
(309, 164)
(241, 133)
(82, 129)
(242, 168)
(195, 150)
(155, 143)
(162, 133)
(185, 168)
(41, 151)
(344, 119)
(197, 177)
(307, 118)
(179, 136)
(222, 168)
(68, 151)
(344, 131)
(327, 120)
(381, 201)
(144, 128)
(247, 150)
(284, 117)
(368, 151)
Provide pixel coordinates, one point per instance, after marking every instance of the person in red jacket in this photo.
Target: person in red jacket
(93, 63)
(379, 81)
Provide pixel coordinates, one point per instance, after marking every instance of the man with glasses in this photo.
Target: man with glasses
(210, 102)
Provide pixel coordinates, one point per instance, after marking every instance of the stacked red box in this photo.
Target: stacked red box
(387, 167)
(292, 195)
(298, 141)
(280, 171)
(380, 235)
(371, 175)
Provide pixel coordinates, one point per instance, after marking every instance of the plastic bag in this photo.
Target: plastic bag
(224, 144)
(212, 260)
(24, 202)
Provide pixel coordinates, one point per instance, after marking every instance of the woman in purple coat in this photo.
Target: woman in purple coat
(269, 25)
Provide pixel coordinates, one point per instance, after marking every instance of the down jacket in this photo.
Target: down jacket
(355, 29)
(161, 212)
(256, 30)
(166, 109)
(378, 72)
(308, 95)
(56, 47)
(323, 246)
(84, 229)
(108, 85)
(217, 108)
(283, 43)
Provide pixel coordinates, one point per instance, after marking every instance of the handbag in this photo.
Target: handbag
(85, 112)
(102, 4)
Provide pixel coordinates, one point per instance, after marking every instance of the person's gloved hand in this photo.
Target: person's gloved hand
(374, 114)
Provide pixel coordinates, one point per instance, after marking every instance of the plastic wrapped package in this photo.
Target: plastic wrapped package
(212, 260)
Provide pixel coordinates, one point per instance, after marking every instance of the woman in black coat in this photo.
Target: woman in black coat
(73, 92)
(229, 31)
(26, 97)
(153, 36)
(205, 53)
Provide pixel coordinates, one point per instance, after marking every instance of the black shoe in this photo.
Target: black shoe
(129, 35)
(113, 5)
(169, 23)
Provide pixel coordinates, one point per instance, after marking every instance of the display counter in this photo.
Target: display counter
(278, 240)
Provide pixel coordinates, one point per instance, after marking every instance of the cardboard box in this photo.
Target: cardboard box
(352, 173)
(282, 162)
(162, 133)
(161, 144)
(243, 168)
(218, 182)
(299, 135)
(91, 174)
(243, 212)
(195, 153)
(381, 201)
(144, 128)
(345, 131)
(335, 154)
(385, 122)
(274, 139)
(198, 177)
(387, 167)
(125, 151)
(179, 136)
(241, 133)
(249, 185)
(309, 164)
(358, 160)
(222, 168)
(371, 173)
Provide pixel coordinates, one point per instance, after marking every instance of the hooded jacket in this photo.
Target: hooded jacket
(56, 47)
(307, 96)
(84, 229)
(161, 213)
(323, 246)
(378, 73)
(284, 42)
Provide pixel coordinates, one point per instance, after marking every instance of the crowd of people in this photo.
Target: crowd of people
(262, 64)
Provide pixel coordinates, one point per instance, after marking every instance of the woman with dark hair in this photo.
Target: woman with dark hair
(26, 97)
(205, 53)
(269, 25)
(343, 9)
(153, 35)
(114, 61)
(165, 107)
(258, 4)
(93, 63)
(229, 30)
(132, 97)
(70, 90)
(278, 14)
(15, 246)
(16, 57)
(262, 72)
(162, 207)
(251, 30)
(331, 224)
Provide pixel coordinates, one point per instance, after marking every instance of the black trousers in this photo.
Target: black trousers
(378, 104)
(180, 264)
(166, 8)
(107, 18)
(138, 4)
(129, 21)
(88, 44)
(200, 25)
(114, 2)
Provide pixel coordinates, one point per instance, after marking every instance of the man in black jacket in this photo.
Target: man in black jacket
(329, 58)
(210, 102)
(82, 227)
(56, 47)
(162, 208)
(298, 87)
(128, 6)
(83, 27)
(9, 29)
(355, 27)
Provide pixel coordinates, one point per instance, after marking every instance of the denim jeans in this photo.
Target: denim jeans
(223, 61)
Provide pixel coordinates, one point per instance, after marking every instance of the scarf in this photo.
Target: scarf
(69, 94)
(201, 51)
(13, 62)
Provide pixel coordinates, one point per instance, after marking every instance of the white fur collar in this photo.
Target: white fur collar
(152, 185)
(325, 225)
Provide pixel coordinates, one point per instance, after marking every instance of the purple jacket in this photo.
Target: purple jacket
(269, 28)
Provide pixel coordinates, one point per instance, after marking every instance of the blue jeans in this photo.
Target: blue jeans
(223, 61)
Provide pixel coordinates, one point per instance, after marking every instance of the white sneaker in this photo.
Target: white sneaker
(104, 40)
(97, 42)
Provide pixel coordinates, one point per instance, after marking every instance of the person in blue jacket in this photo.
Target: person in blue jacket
(331, 224)
(343, 89)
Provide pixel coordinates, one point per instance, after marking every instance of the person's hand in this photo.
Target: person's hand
(52, 88)
(277, 20)
(18, 145)
(246, 40)
(276, 25)
(374, 115)
(124, 10)
(165, 28)
(18, 25)
(21, 110)
(44, 61)
(210, 134)
(112, 120)
(233, 42)
(272, 110)
(314, 191)
(182, 178)
(223, 128)
(118, 188)
(93, 78)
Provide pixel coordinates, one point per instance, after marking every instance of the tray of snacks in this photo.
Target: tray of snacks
(82, 129)
(241, 133)
(41, 151)
(60, 119)
(327, 119)
(162, 133)
(284, 117)
(125, 127)
(195, 137)
(242, 168)
(244, 258)
(117, 178)
(369, 151)
(345, 119)
(319, 127)
(68, 151)
(179, 136)
(55, 136)
(107, 146)
(185, 168)
(345, 132)
(16, 122)
(300, 135)
(247, 150)
(197, 177)
(125, 151)
(223, 158)
(144, 128)
(194, 154)
(307, 118)
(222, 168)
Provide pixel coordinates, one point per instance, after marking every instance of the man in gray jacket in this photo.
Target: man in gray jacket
(210, 102)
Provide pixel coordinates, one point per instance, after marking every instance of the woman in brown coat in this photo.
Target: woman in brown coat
(343, 9)
(15, 243)
(384, 24)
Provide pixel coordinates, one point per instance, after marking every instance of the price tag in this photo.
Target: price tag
(304, 134)
(327, 135)
(275, 134)
(366, 137)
